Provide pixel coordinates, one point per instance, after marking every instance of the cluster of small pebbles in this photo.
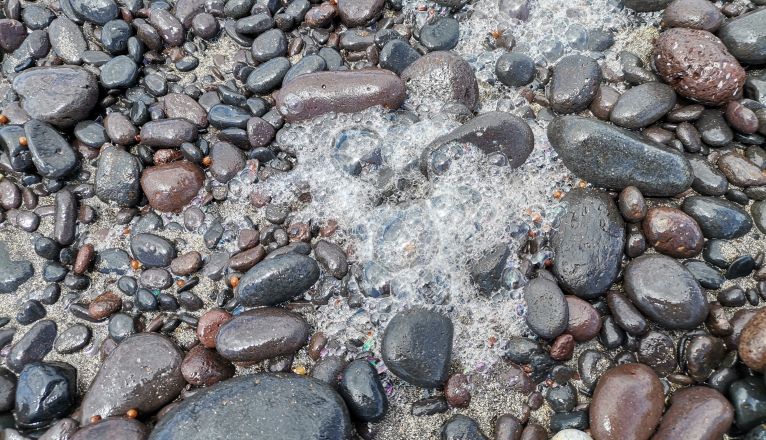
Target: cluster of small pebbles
(154, 288)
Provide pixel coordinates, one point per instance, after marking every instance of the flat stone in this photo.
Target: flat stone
(442, 76)
(574, 83)
(261, 334)
(142, 373)
(51, 153)
(614, 158)
(643, 105)
(67, 40)
(118, 177)
(587, 268)
(718, 218)
(59, 95)
(268, 398)
(168, 133)
(547, 309)
(665, 291)
(745, 36)
(315, 94)
(170, 187)
(277, 280)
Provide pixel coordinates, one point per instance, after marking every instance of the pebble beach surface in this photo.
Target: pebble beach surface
(382, 219)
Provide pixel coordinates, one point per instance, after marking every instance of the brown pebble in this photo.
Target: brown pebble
(584, 320)
(186, 264)
(170, 187)
(204, 367)
(632, 204)
(209, 324)
(698, 413)
(741, 118)
(562, 347)
(316, 344)
(243, 261)
(627, 404)
(457, 391)
(673, 232)
(752, 342)
(104, 305)
(83, 260)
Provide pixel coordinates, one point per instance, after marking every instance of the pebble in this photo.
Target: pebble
(104, 305)
(95, 11)
(152, 250)
(574, 83)
(209, 324)
(515, 69)
(713, 128)
(460, 427)
(718, 218)
(13, 273)
(708, 180)
(626, 315)
(547, 309)
(665, 291)
(314, 94)
(170, 29)
(745, 37)
(614, 158)
(693, 14)
(117, 177)
(155, 365)
(417, 347)
(261, 334)
(178, 105)
(442, 76)
(268, 76)
(643, 105)
(266, 397)
(45, 392)
(277, 280)
(397, 56)
(748, 396)
(12, 34)
(441, 34)
(647, 5)
(740, 171)
(170, 187)
(168, 133)
(67, 41)
(698, 66)
(270, 44)
(205, 25)
(120, 129)
(752, 346)
(758, 211)
(359, 12)
(205, 367)
(59, 95)
(227, 161)
(363, 392)
(741, 118)
(73, 339)
(584, 321)
(628, 403)
(65, 217)
(115, 35)
(587, 269)
(51, 153)
(696, 412)
(672, 232)
(33, 346)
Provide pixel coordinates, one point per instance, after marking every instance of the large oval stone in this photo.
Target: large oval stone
(277, 280)
(665, 291)
(588, 244)
(259, 407)
(143, 373)
(261, 334)
(417, 347)
(745, 37)
(171, 186)
(314, 94)
(59, 95)
(698, 66)
(699, 413)
(614, 158)
(627, 404)
(718, 218)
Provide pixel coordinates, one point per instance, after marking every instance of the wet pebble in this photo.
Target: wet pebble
(261, 334)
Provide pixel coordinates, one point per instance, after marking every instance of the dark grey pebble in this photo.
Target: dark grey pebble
(397, 55)
(745, 37)
(268, 76)
(665, 291)
(547, 310)
(363, 392)
(119, 72)
(67, 40)
(269, 45)
(95, 11)
(706, 275)
(45, 391)
(515, 69)
(261, 334)
(718, 218)
(574, 83)
(587, 268)
(442, 34)
(115, 35)
(417, 347)
(643, 105)
(13, 273)
(33, 346)
(228, 161)
(271, 399)
(460, 427)
(65, 217)
(117, 177)
(152, 250)
(73, 339)
(51, 153)
(168, 133)
(277, 280)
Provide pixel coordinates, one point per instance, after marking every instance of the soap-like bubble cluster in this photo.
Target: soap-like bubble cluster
(414, 240)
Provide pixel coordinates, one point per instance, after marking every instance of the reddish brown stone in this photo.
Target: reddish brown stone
(673, 232)
(204, 367)
(104, 305)
(752, 342)
(315, 94)
(698, 66)
(186, 264)
(741, 118)
(209, 324)
(170, 187)
(244, 260)
(627, 404)
(457, 391)
(83, 259)
(738, 322)
(693, 14)
(740, 171)
(167, 155)
(322, 15)
(562, 347)
(584, 320)
(316, 344)
(699, 413)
